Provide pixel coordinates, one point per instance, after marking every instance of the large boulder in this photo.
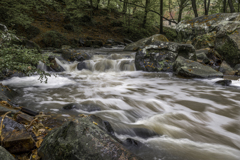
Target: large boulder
(160, 56)
(82, 139)
(220, 30)
(4, 154)
(228, 46)
(201, 25)
(191, 69)
(145, 41)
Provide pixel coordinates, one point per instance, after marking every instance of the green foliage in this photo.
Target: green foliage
(17, 58)
(54, 39)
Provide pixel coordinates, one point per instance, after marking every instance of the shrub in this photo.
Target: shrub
(54, 39)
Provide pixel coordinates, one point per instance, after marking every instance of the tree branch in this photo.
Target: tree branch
(151, 11)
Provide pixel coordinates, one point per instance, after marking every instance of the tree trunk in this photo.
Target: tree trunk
(194, 6)
(145, 15)
(125, 4)
(232, 9)
(180, 14)
(108, 3)
(224, 6)
(206, 6)
(238, 4)
(98, 1)
(161, 16)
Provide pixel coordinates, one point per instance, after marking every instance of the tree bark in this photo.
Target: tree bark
(238, 5)
(145, 14)
(125, 6)
(194, 6)
(230, 3)
(98, 1)
(108, 3)
(161, 16)
(224, 6)
(180, 14)
(206, 6)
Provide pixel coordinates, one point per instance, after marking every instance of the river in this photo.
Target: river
(195, 119)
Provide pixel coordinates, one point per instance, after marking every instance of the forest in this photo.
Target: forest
(119, 79)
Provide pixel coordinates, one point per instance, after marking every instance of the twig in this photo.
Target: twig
(2, 126)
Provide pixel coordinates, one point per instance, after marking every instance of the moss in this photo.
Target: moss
(54, 39)
(170, 33)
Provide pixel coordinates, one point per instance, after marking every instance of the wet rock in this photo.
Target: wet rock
(4, 110)
(202, 57)
(81, 42)
(221, 28)
(228, 46)
(18, 142)
(160, 56)
(24, 118)
(81, 66)
(88, 107)
(5, 155)
(54, 67)
(224, 82)
(73, 55)
(15, 138)
(82, 139)
(226, 69)
(6, 94)
(192, 69)
(145, 41)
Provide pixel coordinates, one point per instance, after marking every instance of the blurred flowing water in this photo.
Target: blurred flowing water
(194, 119)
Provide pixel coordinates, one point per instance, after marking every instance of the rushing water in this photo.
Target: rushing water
(195, 119)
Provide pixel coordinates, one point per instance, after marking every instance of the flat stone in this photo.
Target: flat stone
(24, 118)
(192, 69)
(18, 141)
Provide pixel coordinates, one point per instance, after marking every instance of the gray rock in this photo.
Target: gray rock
(54, 67)
(160, 56)
(82, 139)
(226, 69)
(81, 66)
(220, 30)
(192, 69)
(201, 56)
(73, 55)
(142, 42)
(224, 82)
(5, 155)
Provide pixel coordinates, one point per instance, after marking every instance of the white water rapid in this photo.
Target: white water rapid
(194, 119)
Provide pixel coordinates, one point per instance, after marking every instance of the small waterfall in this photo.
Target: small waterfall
(69, 67)
(41, 66)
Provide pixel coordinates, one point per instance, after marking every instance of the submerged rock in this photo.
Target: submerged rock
(5, 155)
(81, 66)
(224, 82)
(145, 41)
(192, 69)
(73, 55)
(82, 139)
(54, 67)
(160, 56)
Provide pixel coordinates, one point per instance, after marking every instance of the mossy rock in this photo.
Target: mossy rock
(54, 39)
(204, 41)
(227, 45)
(170, 33)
